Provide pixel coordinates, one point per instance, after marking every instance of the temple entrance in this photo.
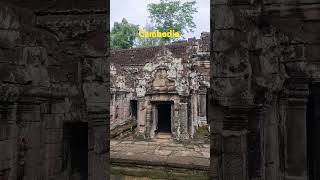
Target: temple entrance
(134, 109)
(75, 138)
(164, 117)
(313, 133)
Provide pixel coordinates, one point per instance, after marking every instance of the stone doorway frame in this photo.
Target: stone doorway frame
(155, 120)
(70, 140)
(133, 109)
(146, 128)
(312, 115)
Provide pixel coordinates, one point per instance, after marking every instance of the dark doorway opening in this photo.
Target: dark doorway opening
(134, 109)
(164, 117)
(313, 133)
(75, 138)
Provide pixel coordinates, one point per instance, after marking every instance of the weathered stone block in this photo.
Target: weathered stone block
(100, 167)
(53, 150)
(312, 52)
(13, 16)
(59, 108)
(94, 46)
(94, 69)
(226, 18)
(28, 113)
(227, 39)
(25, 78)
(100, 143)
(219, 2)
(53, 121)
(53, 166)
(8, 131)
(8, 149)
(53, 136)
(94, 91)
(91, 162)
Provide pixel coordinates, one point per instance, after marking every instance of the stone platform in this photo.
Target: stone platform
(161, 152)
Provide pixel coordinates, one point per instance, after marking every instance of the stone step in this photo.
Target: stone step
(164, 136)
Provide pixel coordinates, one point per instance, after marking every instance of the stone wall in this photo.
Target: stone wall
(53, 71)
(264, 58)
(178, 73)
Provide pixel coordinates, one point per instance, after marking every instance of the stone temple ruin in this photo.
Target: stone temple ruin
(53, 90)
(263, 101)
(162, 88)
(264, 94)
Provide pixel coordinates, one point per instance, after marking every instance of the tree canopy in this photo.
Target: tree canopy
(123, 35)
(173, 15)
(165, 16)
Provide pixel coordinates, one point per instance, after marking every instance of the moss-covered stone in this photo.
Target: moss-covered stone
(202, 132)
(156, 173)
(124, 130)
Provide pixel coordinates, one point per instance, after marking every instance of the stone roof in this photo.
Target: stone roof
(140, 56)
(143, 55)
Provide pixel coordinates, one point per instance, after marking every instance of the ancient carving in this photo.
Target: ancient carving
(170, 75)
(161, 82)
(261, 71)
(50, 76)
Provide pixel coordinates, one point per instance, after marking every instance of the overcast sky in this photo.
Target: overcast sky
(135, 11)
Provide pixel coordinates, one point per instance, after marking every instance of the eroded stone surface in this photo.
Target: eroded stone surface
(176, 74)
(157, 152)
(53, 71)
(264, 75)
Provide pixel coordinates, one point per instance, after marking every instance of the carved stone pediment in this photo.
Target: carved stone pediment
(161, 82)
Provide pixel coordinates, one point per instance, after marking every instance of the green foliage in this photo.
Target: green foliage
(173, 15)
(123, 35)
(202, 132)
(165, 16)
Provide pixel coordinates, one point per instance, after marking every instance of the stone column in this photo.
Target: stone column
(141, 124)
(228, 129)
(215, 116)
(234, 143)
(296, 134)
(149, 120)
(8, 139)
(97, 105)
(154, 116)
(100, 154)
(193, 114)
(263, 144)
(183, 119)
(270, 142)
(53, 116)
(30, 139)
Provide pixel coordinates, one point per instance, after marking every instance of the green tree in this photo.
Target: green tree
(123, 35)
(173, 15)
